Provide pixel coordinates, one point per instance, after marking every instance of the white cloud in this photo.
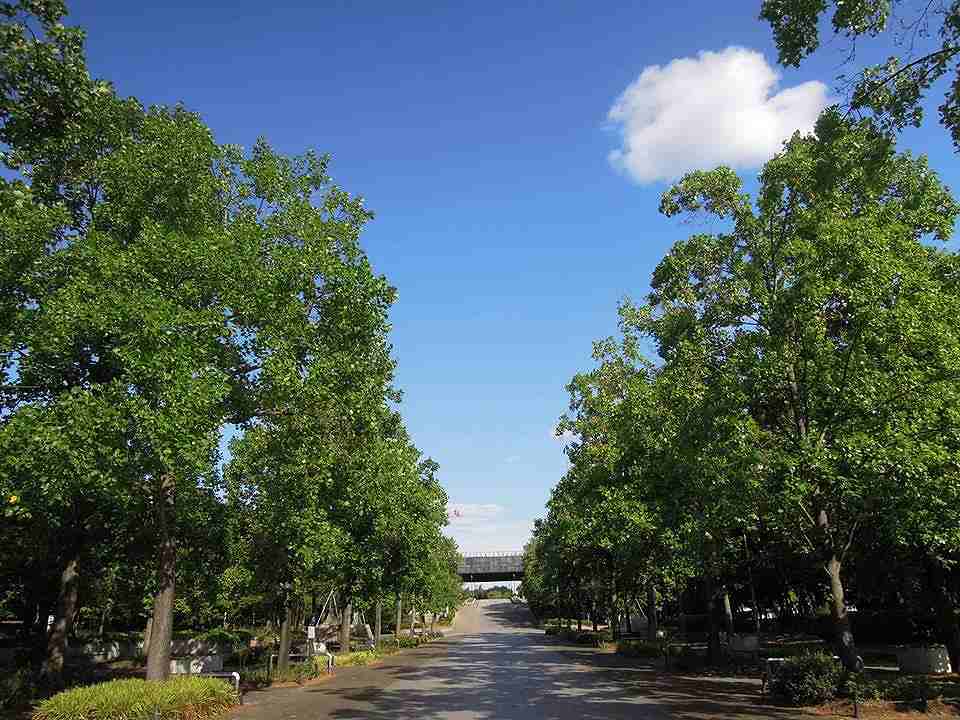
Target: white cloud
(717, 108)
(485, 528)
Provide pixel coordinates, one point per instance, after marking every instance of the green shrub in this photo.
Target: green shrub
(408, 641)
(551, 630)
(135, 699)
(913, 689)
(862, 688)
(360, 657)
(810, 679)
(639, 649)
(18, 688)
(221, 636)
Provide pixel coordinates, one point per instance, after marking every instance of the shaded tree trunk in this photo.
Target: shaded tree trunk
(713, 635)
(841, 621)
(52, 669)
(103, 619)
(396, 631)
(727, 614)
(378, 624)
(682, 621)
(753, 586)
(283, 652)
(158, 654)
(652, 624)
(147, 632)
(345, 620)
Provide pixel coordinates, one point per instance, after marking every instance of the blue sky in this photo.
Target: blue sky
(481, 136)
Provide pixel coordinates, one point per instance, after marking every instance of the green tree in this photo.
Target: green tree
(830, 311)
(927, 38)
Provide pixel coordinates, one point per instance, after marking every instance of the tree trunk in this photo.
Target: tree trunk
(753, 586)
(727, 614)
(345, 619)
(283, 652)
(62, 623)
(147, 631)
(841, 621)
(158, 655)
(652, 624)
(378, 624)
(682, 621)
(629, 624)
(713, 636)
(103, 620)
(396, 630)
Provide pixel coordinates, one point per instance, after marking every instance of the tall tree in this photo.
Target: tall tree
(827, 306)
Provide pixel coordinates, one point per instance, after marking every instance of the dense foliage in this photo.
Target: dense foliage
(160, 293)
(795, 427)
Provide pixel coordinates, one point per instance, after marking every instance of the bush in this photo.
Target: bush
(913, 689)
(360, 657)
(639, 649)
(18, 688)
(224, 637)
(408, 641)
(810, 679)
(862, 688)
(135, 699)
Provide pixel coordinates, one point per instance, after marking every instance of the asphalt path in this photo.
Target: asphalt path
(495, 665)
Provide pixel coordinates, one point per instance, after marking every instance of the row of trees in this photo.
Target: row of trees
(802, 409)
(778, 427)
(158, 290)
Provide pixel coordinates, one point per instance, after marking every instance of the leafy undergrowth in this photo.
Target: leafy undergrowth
(580, 637)
(317, 667)
(182, 697)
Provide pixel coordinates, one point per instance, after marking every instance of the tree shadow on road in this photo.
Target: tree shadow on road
(519, 674)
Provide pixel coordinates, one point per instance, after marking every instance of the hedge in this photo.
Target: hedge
(810, 679)
(196, 697)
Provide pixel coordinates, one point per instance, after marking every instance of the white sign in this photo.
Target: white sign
(311, 632)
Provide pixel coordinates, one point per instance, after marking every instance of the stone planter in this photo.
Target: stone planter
(193, 646)
(924, 659)
(106, 650)
(745, 643)
(196, 664)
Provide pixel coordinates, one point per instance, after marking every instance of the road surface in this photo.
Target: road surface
(494, 665)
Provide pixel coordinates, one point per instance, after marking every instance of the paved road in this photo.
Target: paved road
(496, 666)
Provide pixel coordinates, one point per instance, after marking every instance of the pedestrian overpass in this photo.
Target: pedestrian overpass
(491, 567)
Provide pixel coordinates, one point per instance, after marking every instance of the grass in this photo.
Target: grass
(194, 697)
